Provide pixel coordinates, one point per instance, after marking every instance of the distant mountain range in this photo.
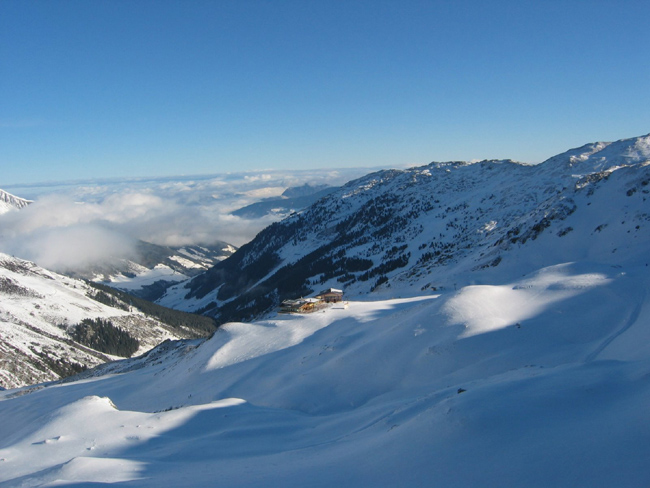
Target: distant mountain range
(293, 199)
(438, 227)
(393, 233)
(494, 333)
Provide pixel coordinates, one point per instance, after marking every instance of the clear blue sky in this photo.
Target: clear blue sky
(148, 88)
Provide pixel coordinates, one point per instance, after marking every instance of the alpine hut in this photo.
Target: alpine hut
(331, 295)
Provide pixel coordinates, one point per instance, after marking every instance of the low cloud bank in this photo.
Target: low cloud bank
(63, 235)
(93, 224)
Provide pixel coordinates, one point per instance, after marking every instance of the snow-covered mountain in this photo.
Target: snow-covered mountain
(497, 334)
(439, 227)
(52, 326)
(154, 268)
(10, 202)
(540, 380)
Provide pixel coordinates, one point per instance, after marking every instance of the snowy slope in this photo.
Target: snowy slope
(602, 156)
(38, 313)
(10, 202)
(440, 226)
(536, 381)
(509, 346)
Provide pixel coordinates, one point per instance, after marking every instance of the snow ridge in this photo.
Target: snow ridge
(398, 232)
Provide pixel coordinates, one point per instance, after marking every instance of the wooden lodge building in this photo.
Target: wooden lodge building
(308, 305)
(300, 305)
(331, 295)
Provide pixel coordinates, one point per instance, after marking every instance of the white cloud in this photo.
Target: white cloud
(86, 223)
(72, 247)
(61, 234)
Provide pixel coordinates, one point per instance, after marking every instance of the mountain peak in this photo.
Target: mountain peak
(603, 156)
(11, 202)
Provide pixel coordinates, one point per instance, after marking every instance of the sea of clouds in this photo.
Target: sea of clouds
(73, 225)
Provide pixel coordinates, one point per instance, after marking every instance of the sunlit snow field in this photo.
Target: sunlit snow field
(538, 382)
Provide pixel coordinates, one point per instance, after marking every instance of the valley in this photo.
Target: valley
(494, 331)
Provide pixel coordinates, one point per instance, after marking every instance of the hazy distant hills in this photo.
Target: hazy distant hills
(292, 199)
(438, 227)
(155, 267)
